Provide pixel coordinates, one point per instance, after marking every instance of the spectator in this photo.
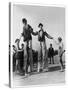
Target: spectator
(17, 55)
(51, 54)
(60, 51)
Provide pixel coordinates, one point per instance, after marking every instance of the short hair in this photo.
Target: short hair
(60, 39)
(22, 44)
(13, 46)
(40, 24)
(51, 44)
(24, 20)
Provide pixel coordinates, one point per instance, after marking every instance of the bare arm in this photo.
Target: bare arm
(22, 32)
(34, 33)
(19, 50)
(48, 36)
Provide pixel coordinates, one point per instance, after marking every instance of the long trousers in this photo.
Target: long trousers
(26, 56)
(51, 58)
(42, 55)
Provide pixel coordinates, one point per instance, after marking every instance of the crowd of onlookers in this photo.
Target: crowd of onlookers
(18, 55)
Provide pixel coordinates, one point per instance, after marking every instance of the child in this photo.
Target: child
(17, 55)
(60, 51)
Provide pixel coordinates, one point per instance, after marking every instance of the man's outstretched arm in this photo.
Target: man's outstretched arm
(48, 36)
(22, 34)
(34, 33)
(31, 29)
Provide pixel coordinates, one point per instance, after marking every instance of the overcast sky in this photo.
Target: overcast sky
(53, 19)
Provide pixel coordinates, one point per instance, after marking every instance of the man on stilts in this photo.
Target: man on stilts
(43, 48)
(27, 35)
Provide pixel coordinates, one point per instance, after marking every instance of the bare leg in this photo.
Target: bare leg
(16, 65)
(31, 57)
(61, 62)
(25, 56)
